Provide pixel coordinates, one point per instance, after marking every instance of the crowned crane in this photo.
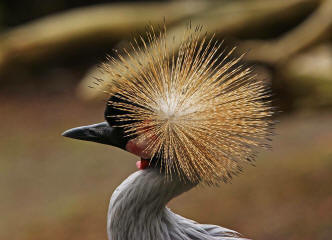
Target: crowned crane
(194, 117)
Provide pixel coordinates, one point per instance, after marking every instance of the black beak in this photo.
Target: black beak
(100, 133)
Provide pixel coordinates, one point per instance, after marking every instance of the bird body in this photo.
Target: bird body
(194, 117)
(138, 211)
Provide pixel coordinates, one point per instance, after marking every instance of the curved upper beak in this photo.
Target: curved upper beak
(100, 133)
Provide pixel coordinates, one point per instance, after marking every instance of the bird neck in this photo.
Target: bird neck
(138, 205)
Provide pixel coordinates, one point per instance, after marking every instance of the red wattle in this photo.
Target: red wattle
(142, 164)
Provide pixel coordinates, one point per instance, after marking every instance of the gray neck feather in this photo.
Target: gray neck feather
(138, 211)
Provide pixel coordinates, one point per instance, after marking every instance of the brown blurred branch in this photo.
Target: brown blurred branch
(313, 29)
(53, 33)
(56, 33)
(225, 18)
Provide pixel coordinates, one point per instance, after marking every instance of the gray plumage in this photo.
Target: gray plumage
(138, 211)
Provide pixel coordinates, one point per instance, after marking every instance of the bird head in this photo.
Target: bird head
(110, 132)
(197, 112)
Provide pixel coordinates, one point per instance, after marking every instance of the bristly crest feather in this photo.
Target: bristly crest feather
(203, 113)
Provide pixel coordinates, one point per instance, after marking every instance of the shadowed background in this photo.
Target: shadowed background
(56, 188)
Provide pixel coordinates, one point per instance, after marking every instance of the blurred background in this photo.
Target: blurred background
(55, 188)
